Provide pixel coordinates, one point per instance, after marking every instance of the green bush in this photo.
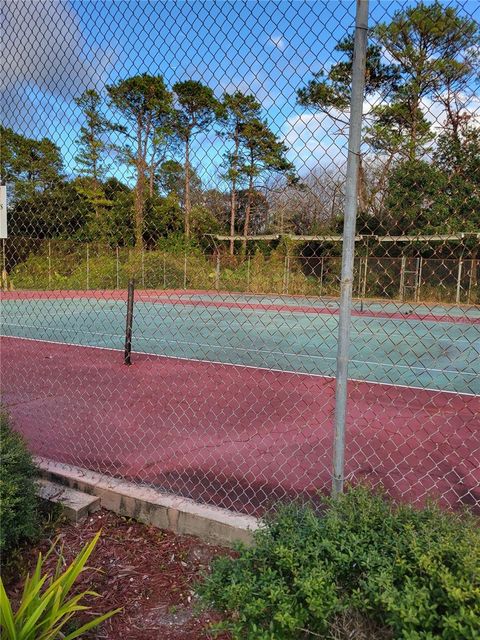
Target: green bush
(414, 572)
(19, 517)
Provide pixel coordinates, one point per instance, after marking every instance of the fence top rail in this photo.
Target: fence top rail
(336, 238)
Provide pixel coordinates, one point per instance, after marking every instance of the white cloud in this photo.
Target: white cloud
(314, 139)
(45, 48)
(278, 41)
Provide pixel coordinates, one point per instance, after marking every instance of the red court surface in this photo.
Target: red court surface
(234, 436)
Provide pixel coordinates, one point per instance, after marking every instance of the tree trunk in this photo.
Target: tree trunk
(139, 192)
(151, 179)
(233, 197)
(187, 188)
(138, 206)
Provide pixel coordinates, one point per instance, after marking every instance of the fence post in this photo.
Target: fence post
(288, 273)
(418, 278)
(217, 273)
(118, 267)
(143, 268)
(401, 293)
(459, 281)
(185, 272)
(365, 272)
(164, 271)
(348, 252)
(285, 280)
(321, 276)
(49, 264)
(471, 279)
(88, 267)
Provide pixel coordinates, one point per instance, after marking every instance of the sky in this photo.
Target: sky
(55, 50)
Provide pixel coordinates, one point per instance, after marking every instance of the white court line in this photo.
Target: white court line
(249, 366)
(206, 345)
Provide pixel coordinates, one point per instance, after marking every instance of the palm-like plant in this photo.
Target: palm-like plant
(47, 605)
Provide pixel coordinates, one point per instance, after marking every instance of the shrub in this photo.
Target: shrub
(19, 518)
(416, 572)
(48, 606)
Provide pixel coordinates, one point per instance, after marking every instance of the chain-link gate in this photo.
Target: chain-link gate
(199, 149)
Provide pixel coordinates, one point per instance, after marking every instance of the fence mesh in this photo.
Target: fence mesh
(200, 149)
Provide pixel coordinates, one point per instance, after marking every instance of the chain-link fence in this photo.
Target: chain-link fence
(200, 149)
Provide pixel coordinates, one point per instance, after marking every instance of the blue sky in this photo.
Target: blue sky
(54, 50)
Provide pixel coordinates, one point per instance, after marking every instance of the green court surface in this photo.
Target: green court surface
(408, 351)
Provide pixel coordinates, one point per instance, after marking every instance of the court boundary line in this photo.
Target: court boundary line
(247, 366)
(369, 363)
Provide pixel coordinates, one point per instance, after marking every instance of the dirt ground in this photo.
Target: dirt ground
(149, 572)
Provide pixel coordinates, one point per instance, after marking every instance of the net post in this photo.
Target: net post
(348, 252)
(127, 359)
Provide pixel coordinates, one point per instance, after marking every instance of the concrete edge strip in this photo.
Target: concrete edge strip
(146, 504)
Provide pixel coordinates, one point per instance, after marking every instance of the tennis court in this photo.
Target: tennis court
(229, 393)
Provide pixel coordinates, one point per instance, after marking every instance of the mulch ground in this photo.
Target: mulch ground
(149, 572)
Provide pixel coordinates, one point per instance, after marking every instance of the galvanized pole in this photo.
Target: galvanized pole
(49, 265)
(459, 282)
(217, 273)
(88, 267)
(350, 215)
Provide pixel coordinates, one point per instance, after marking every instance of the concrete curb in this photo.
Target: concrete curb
(146, 504)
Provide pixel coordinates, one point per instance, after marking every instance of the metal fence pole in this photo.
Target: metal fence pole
(402, 279)
(217, 273)
(143, 269)
(365, 273)
(350, 215)
(118, 267)
(471, 280)
(49, 264)
(88, 267)
(459, 282)
(185, 272)
(321, 277)
(418, 279)
(285, 281)
(164, 271)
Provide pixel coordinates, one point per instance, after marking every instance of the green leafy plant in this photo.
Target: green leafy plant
(47, 605)
(413, 574)
(19, 515)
